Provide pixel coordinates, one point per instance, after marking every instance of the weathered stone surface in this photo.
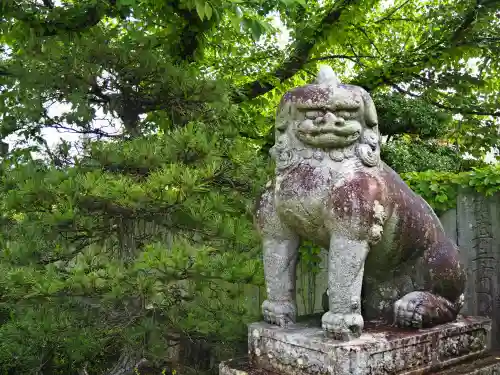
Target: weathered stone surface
(389, 256)
(241, 367)
(449, 221)
(303, 349)
(478, 231)
(489, 365)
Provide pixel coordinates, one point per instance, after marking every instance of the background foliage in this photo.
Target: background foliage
(440, 189)
(129, 245)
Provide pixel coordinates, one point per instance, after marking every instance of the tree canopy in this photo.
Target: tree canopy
(129, 57)
(138, 236)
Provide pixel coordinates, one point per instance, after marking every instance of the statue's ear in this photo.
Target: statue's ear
(283, 116)
(281, 124)
(371, 119)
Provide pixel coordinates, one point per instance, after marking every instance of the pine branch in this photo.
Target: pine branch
(51, 123)
(4, 72)
(299, 56)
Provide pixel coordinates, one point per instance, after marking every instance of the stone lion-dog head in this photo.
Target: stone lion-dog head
(326, 116)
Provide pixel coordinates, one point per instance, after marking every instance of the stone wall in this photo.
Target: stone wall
(475, 227)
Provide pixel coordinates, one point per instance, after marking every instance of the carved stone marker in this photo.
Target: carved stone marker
(389, 258)
(478, 232)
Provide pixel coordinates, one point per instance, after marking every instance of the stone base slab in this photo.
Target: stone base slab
(303, 349)
(489, 365)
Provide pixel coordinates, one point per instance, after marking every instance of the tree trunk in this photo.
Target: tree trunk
(128, 361)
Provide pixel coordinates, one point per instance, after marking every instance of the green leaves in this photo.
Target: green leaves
(440, 189)
(400, 114)
(289, 3)
(202, 7)
(411, 154)
(126, 2)
(158, 219)
(208, 11)
(485, 180)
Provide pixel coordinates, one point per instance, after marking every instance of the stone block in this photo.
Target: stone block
(488, 365)
(303, 349)
(478, 220)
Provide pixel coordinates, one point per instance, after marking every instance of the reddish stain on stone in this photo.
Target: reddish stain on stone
(309, 95)
(301, 181)
(357, 197)
(420, 234)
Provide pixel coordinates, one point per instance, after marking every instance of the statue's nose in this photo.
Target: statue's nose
(330, 118)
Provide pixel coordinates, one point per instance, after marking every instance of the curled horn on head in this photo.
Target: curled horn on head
(371, 119)
(326, 75)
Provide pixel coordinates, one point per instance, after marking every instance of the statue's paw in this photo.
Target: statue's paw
(342, 326)
(424, 309)
(279, 313)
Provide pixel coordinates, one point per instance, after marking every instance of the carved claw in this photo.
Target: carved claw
(460, 302)
(279, 313)
(342, 326)
(424, 309)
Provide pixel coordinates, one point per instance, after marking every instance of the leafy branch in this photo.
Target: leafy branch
(401, 69)
(462, 110)
(299, 56)
(77, 18)
(440, 189)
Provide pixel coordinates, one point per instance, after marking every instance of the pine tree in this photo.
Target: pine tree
(137, 245)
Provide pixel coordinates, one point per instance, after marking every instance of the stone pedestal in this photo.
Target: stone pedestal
(303, 349)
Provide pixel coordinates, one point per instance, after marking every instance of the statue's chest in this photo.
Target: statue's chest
(303, 191)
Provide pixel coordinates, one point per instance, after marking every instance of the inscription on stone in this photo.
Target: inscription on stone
(478, 220)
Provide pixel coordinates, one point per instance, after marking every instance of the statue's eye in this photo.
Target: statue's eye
(346, 114)
(314, 114)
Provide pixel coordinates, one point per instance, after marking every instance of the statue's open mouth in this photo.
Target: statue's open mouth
(330, 135)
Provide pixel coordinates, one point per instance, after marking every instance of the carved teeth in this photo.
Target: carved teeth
(342, 131)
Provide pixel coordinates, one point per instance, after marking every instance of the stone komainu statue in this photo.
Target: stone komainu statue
(389, 257)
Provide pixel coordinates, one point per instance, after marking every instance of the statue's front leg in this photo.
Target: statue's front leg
(346, 261)
(280, 265)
